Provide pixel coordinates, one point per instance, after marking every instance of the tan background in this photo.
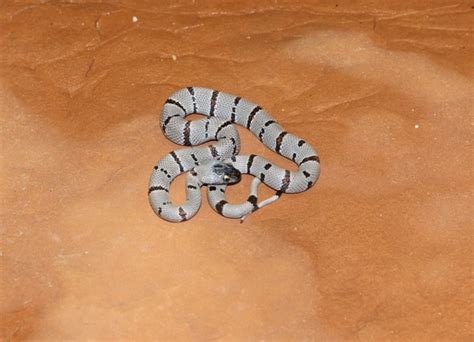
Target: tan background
(379, 249)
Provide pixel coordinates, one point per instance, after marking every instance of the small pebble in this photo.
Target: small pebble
(135, 19)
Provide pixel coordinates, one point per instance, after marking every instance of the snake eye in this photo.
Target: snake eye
(226, 178)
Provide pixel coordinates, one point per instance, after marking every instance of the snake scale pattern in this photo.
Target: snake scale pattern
(219, 164)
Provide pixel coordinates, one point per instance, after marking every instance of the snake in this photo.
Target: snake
(219, 163)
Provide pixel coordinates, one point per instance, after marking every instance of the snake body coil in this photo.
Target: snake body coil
(219, 164)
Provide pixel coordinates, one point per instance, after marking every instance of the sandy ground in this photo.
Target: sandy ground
(380, 249)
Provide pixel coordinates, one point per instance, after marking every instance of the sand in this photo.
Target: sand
(380, 249)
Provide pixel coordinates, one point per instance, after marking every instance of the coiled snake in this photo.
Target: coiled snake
(219, 164)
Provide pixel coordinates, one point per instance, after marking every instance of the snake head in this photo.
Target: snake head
(227, 172)
(217, 173)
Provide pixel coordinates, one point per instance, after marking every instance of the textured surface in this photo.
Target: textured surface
(380, 248)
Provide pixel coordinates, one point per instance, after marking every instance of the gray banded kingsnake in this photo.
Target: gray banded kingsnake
(219, 164)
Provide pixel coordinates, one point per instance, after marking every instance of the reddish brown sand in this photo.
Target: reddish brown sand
(379, 249)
